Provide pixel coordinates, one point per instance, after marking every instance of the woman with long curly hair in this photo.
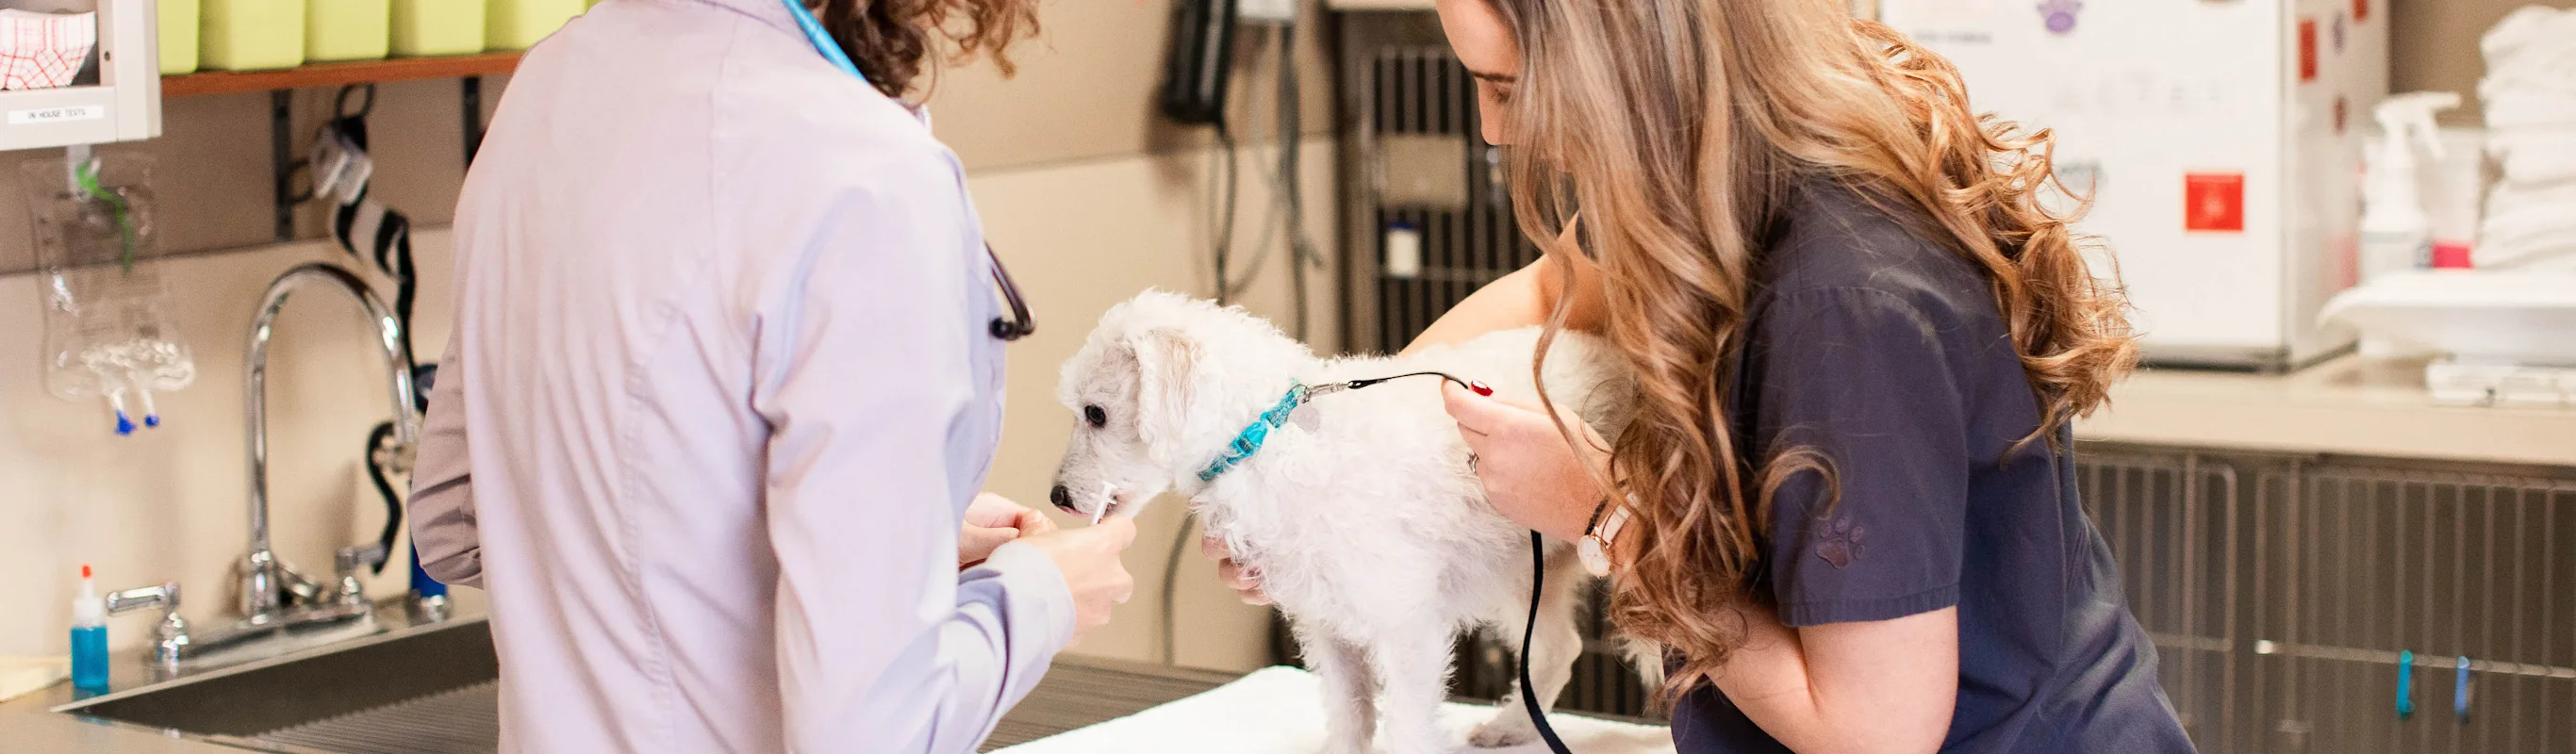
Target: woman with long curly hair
(1860, 327)
(724, 379)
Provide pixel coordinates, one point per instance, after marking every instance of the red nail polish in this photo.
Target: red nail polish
(1481, 388)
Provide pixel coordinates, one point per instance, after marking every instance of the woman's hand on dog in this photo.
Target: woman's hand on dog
(1245, 581)
(991, 521)
(1088, 558)
(1530, 474)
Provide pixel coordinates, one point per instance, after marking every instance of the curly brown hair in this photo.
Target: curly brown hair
(891, 40)
(1676, 126)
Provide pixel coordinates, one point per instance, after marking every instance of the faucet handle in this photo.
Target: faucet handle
(170, 636)
(346, 561)
(165, 596)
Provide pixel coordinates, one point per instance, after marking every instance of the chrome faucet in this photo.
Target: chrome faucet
(273, 594)
(170, 638)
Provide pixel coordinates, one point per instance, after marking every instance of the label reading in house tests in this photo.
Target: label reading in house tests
(62, 114)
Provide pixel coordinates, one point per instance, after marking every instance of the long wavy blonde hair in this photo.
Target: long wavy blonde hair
(1679, 127)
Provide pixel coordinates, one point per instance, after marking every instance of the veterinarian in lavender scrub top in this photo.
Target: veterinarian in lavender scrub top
(722, 387)
(1846, 505)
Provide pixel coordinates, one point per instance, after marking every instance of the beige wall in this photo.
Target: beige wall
(2436, 46)
(168, 503)
(1084, 192)
(1087, 90)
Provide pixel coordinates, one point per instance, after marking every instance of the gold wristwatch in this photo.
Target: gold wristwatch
(1594, 547)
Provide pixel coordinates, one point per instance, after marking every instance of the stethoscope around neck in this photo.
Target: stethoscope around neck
(1018, 324)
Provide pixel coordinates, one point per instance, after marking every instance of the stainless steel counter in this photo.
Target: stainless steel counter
(1076, 692)
(1082, 691)
(2346, 406)
(41, 731)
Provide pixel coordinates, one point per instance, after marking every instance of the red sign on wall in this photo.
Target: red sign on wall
(2307, 50)
(2213, 202)
(2361, 10)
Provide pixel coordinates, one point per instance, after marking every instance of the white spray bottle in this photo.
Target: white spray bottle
(2395, 233)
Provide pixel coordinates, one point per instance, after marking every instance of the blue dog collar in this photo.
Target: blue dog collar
(1250, 439)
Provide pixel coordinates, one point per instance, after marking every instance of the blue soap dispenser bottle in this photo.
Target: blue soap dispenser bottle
(89, 637)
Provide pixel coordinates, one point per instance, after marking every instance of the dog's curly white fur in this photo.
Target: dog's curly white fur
(1362, 516)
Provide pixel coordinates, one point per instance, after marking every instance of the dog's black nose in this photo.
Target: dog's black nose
(1063, 498)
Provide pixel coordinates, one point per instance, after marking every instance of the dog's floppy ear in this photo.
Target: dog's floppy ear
(1167, 363)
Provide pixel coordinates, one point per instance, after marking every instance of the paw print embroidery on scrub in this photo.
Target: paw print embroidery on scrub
(1840, 543)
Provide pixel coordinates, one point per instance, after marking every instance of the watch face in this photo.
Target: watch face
(1589, 549)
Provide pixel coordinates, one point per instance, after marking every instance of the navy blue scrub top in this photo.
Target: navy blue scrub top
(1887, 354)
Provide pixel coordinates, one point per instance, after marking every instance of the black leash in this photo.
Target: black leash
(1529, 694)
(1330, 388)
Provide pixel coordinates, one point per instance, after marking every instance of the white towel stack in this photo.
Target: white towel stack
(2530, 96)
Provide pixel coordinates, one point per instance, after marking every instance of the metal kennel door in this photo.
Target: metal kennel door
(1426, 216)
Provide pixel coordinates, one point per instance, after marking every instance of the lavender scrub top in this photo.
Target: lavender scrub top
(718, 392)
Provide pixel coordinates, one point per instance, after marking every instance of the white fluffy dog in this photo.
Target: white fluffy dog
(1360, 511)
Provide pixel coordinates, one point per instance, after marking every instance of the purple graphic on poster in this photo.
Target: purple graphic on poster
(2059, 14)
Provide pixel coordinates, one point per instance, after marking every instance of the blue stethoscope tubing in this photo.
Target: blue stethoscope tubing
(823, 41)
(1019, 324)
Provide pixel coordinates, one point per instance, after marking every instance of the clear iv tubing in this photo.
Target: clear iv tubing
(143, 391)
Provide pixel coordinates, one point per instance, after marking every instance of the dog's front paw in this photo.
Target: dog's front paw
(1509, 727)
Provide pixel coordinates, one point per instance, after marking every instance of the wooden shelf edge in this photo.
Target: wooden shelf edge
(338, 74)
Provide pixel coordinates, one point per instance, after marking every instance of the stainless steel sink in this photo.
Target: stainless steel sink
(419, 689)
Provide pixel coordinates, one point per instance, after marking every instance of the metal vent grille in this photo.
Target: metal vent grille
(1603, 683)
(1416, 252)
(2173, 524)
(2372, 572)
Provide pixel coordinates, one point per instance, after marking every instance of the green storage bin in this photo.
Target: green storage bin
(347, 29)
(178, 30)
(251, 35)
(520, 24)
(437, 27)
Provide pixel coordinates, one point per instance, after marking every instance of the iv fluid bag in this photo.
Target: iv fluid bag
(107, 331)
(109, 325)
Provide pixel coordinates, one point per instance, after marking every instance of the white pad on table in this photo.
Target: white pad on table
(1280, 711)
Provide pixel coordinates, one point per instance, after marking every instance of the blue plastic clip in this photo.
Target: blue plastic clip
(2460, 691)
(2405, 684)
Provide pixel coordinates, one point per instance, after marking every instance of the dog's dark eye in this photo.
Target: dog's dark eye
(1097, 417)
